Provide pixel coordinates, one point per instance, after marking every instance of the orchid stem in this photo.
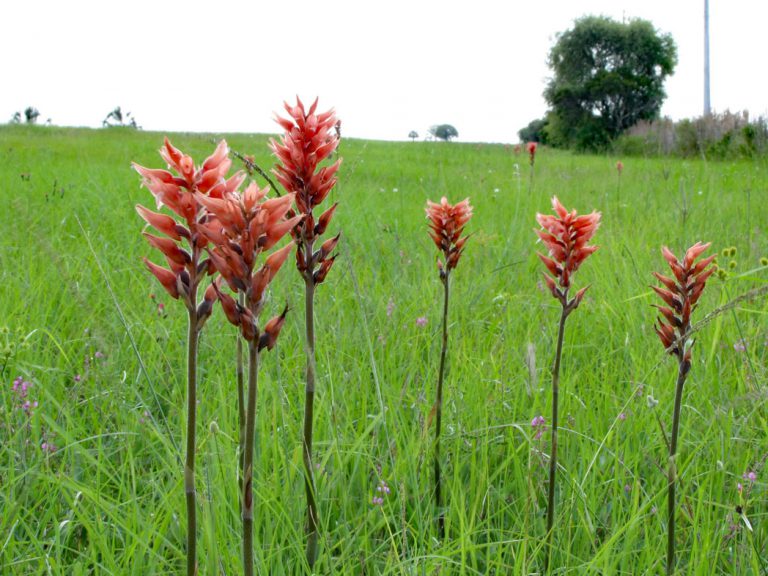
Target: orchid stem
(189, 466)
(553, 450)
(240, 402)
(309, 404)
(672, 472)
(250, 428)
(439, 412)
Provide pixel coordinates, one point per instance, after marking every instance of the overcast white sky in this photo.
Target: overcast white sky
(388, 67)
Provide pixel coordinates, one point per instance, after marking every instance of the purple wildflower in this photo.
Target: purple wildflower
(421, 321)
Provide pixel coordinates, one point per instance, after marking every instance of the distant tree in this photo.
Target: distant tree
(535, 131)
(444, 132)
(413, 135)
(114, 117)
(30, 114)
(16, 118)
(117, 118)
(608, 75)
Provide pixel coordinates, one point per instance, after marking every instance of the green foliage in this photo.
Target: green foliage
(444, 132)
(717, 136)
(117, 118)
(110, 499)
(536, 131)
(31, 114)
(608, 75)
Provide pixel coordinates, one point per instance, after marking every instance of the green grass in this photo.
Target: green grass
(110, 499)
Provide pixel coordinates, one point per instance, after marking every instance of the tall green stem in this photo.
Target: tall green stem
(189, 466)
(309, 407)
(672, 471)
(240, 402)
(439, 411)
(553, 449)
(250, 428)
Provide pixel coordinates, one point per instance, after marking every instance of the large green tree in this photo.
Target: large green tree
(608, 75)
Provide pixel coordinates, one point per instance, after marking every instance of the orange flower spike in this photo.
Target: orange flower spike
(681, 295)
(309, 139)
(566, 236)
(446, 224)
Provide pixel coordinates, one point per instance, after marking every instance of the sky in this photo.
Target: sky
(386, 67)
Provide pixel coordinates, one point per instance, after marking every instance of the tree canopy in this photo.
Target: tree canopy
(608, 75)
(444, 132)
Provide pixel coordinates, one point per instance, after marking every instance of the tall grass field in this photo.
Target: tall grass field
(91, 447)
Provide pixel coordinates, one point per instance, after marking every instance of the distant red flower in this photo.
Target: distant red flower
(531, 147)
(619, 167)
(566, 235)
(445, 228)
(309, 139)
(681, 294)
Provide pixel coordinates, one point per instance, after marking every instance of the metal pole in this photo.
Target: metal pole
(707, 106)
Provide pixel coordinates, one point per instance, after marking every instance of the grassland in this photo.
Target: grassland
(83, 324)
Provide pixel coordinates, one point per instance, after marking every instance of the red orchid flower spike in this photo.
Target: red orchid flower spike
(309, 139)
(241, 227)
(183, 247)
(181, 243)
(566, 235)
(446, 224)
(531, 147)
(681, 295)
